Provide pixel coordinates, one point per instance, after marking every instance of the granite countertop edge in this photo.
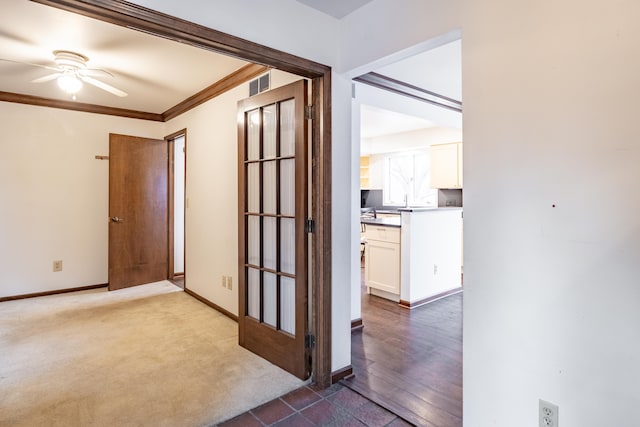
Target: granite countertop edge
(386, 222)
(448, 208)
(397, 222)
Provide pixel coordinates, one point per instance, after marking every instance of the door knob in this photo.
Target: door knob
(116, 219)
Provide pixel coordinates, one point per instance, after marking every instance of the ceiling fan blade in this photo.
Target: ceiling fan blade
(103, 86)
(31, 64)
(95, 72)
(46, 78)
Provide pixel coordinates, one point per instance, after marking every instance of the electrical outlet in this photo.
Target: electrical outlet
(224, 281)
(57, 266)
(547, 414)
(229, 283)
(435, 269)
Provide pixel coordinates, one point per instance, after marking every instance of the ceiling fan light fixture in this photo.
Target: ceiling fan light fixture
(71, 73)
(70, 60)
(69, 83)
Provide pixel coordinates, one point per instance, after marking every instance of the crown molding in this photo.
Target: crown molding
(223, 85)
(78, 106)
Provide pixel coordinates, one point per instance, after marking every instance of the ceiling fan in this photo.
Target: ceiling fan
(71, 71)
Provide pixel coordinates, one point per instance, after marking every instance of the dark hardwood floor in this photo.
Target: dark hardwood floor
(410, 361)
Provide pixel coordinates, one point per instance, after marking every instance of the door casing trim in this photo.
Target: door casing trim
(171, 200)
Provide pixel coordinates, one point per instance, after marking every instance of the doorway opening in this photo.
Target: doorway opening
(407, 341)
(177, 205)
(186, 32)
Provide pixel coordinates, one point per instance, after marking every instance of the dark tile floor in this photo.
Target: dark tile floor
(309, 406)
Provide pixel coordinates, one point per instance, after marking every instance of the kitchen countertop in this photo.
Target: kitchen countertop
(388, 211)
(386, 222)
(442, 208)
(396, 221)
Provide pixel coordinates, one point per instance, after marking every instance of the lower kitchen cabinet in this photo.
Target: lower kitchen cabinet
(418, 261)
(382, 258)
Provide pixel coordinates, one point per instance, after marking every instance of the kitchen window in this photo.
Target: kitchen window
(407, 180)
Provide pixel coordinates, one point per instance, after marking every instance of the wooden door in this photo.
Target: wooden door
(272, 189)
(138, 210)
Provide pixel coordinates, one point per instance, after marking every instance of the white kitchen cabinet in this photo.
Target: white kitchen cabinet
(382, 258)
(446, 165)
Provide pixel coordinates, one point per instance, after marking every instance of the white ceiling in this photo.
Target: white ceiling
(376, 122)
(156, 73)
(438, 70)
(336, 8)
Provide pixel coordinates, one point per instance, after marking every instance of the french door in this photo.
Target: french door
(272, 188)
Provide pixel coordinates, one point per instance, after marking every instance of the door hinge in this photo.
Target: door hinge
(308, 112)
(309, 341)
(309, 226)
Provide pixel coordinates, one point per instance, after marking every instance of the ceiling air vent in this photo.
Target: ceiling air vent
(259, 85)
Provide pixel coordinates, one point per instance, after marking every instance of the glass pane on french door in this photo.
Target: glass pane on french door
(270, 210)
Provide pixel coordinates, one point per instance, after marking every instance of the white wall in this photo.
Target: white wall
(211, 231)
(54, 203)
(552, 301)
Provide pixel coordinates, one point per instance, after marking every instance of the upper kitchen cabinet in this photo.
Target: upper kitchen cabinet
(446, 165)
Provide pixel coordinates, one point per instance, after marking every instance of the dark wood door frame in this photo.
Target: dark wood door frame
(125, 14)
(171, 199)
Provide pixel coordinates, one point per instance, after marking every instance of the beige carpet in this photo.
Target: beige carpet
(144, 356)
